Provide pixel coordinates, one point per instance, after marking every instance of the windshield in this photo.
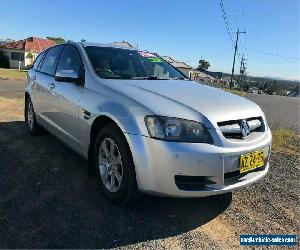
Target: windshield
(116, 63)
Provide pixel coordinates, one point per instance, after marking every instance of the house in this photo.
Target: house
(21, 54)
(216, 75)
(188, 71)
(181, 66)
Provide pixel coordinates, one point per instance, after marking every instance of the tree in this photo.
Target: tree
(297, 89)
(272, 87)
(245, 87)
(203, 65)
(56, 39)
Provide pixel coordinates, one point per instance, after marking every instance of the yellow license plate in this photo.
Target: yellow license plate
(251, 161)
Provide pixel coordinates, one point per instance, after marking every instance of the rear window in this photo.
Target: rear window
(38, 60)
(50, 60)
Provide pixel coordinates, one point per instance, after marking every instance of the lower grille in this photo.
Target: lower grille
(184, 182)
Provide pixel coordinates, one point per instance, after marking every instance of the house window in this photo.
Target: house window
(17, 56)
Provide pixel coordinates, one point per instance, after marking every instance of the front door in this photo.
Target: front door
(66, 95)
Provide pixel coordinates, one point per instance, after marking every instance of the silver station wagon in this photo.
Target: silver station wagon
(142, 125)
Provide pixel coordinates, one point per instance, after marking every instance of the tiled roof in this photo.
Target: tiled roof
(168, 59)
(122, 44)
(33, 44)
(180, 65)
(176, 63)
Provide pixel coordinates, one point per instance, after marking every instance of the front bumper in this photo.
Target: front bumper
(158, 162)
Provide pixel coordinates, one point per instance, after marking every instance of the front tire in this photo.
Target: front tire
(30, 118)
(114, 166)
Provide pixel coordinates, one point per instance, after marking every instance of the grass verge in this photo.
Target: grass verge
(236, 92)
(286, 140)
(12, 73)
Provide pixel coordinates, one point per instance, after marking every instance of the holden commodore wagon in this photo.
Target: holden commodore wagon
(142, 125)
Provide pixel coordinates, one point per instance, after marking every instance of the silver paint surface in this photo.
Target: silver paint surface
(60, 109)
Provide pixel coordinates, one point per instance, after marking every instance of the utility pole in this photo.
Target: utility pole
(235, 49)
(242, 71)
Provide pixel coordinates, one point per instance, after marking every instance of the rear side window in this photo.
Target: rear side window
(50, 60)
(70, 60)
(38, 60)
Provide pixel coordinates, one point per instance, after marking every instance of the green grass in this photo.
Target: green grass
(12, 73)
(236, 92)
(285, 140)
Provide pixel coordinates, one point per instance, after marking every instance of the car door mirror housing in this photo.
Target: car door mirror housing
(68, 76)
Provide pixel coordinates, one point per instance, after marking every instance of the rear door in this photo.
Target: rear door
(45, 79)
(66, 95)
(33, 76)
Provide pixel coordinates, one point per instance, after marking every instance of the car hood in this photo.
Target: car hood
(180, 98)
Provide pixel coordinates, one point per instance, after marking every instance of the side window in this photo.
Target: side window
(70, 60)
(38, 60)
(49, 62)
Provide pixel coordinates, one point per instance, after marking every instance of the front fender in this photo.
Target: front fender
(125, 112)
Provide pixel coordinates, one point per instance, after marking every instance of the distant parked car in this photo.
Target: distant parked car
(250, 91)
(143, 126)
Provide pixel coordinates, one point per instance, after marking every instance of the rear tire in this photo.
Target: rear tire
(114, 166)
(30, 118)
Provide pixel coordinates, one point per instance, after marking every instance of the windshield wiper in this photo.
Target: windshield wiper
(180, 78)
(148, 78)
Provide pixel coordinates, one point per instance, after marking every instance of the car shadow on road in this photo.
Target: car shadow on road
(50, 202)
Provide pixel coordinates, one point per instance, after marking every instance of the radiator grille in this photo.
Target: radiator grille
(232, 128)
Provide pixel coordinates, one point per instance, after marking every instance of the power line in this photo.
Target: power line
(226, 21)
(229, 32)
(272, 69)
(272, 54)
(244, 24)
(234, 14)
(213, 55)
(235, 50)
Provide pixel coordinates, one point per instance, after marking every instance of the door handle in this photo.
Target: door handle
(51, 86)
(33, 78)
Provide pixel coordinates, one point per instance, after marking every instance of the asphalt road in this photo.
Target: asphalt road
(48, 201)
(281, 111)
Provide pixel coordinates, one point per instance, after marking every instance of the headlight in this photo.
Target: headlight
(175, 129)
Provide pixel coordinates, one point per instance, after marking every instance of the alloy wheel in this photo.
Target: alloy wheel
(30, 115)
(110, 165)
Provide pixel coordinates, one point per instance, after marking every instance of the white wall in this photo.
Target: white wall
(14, 64)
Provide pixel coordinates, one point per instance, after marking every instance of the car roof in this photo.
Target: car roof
(86, 44)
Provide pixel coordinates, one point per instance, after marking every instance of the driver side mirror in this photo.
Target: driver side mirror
(68, 76)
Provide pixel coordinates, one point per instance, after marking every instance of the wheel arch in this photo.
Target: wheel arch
(26, 96)
(98, 123)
